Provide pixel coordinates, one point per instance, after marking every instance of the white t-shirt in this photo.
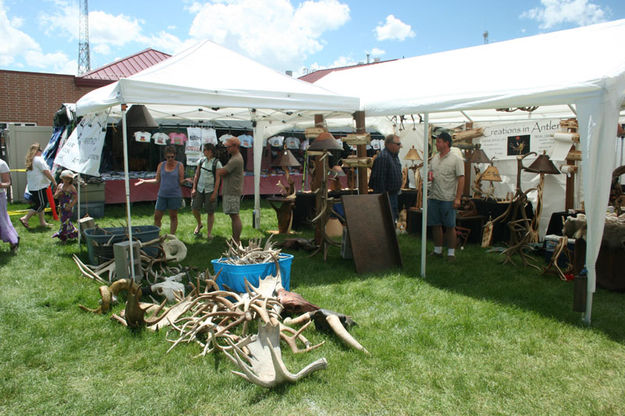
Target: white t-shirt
(4, 168)
(35, 178)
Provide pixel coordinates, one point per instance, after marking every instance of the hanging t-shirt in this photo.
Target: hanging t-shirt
(160, 138)
(209, 135)
(178, 138)
(292, 143)
(143, 136)
(377, 144)
(247, 141)
(304, 145)
(276, 141)
(193, 148)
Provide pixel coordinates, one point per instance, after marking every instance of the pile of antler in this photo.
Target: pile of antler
(221, 321)
(246, 327)
(252, 254)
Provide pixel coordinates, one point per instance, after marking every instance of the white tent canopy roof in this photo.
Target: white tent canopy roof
(582, 67)
(211, 77)
(549, 69)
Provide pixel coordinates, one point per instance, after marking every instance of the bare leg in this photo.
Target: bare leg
(210, 220)
(42, 219)
(450, 237)
(158, 216)
(198, 220)
(236, 227)
(437, 235)
(29, 214)
(173, 221)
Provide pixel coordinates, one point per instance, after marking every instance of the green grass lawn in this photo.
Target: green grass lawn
(475, 337)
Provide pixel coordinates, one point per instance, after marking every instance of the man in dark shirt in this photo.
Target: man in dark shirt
(386, 172)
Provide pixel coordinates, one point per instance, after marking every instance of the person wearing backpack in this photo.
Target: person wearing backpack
(205, 190)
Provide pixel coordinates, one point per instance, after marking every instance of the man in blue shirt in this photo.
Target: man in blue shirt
(386, 172)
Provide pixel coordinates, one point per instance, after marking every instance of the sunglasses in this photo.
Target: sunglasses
(398, 144)
(170, 157)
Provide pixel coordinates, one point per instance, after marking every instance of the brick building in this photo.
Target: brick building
(34, 97)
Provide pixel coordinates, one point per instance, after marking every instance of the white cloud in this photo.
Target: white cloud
(271, 31)
(377, 52)
(14, 41)
(105, 30)
(556, 12)
(169, 43)
(394, 29)
(58, 62)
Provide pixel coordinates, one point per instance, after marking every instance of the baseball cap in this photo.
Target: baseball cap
(443, 135)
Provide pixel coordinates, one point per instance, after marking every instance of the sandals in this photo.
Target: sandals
(198, 229)
(25, 224)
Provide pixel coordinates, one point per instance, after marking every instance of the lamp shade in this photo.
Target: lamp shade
(286, 158)
(479, 156)
(491, 174)
(325, 141)
(543, 164)
(139, 117)
(412, 154)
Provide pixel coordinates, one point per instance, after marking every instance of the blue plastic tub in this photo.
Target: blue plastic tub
(97, 237)
(233, 275)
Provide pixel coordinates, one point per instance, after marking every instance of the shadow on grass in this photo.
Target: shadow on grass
(482, 275)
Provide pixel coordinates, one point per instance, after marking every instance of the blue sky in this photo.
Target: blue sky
(42, 35)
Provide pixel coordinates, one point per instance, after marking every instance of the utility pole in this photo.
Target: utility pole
(84, 60)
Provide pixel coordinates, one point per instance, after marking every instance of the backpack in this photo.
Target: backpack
(214, 169)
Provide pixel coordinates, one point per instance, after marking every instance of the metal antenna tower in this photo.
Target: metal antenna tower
(84, 60)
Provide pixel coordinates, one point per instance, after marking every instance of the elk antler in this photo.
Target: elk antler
(266, 367)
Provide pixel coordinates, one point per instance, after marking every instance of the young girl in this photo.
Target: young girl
(67, 195)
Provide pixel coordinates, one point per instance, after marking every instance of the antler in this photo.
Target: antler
(266, 367)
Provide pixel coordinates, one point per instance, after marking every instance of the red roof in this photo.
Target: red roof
(317, 75)
(122, 68)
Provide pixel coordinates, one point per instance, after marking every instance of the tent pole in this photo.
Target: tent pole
(257, 144)
(78, 209)
(424, 193)
(588, 312)
(127, 185)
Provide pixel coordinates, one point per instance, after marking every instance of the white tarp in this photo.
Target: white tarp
(584, 67)
(83, 149)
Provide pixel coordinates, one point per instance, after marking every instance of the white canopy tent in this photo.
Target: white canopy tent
(583, 69)
(207, 82)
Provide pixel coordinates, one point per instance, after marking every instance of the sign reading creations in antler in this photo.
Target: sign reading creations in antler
(506, 141)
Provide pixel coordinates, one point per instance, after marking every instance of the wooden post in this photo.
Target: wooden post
(363, 186)
(569, 199)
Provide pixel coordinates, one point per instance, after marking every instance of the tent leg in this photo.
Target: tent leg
(258, 153)
(424, 193)
(127, 185)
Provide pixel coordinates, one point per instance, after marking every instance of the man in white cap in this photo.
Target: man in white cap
(447, 177)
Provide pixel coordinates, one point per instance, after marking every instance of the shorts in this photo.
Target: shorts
(39, 200)
(232, 204)
(167, 203)
(203, 199)
(441, 213)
